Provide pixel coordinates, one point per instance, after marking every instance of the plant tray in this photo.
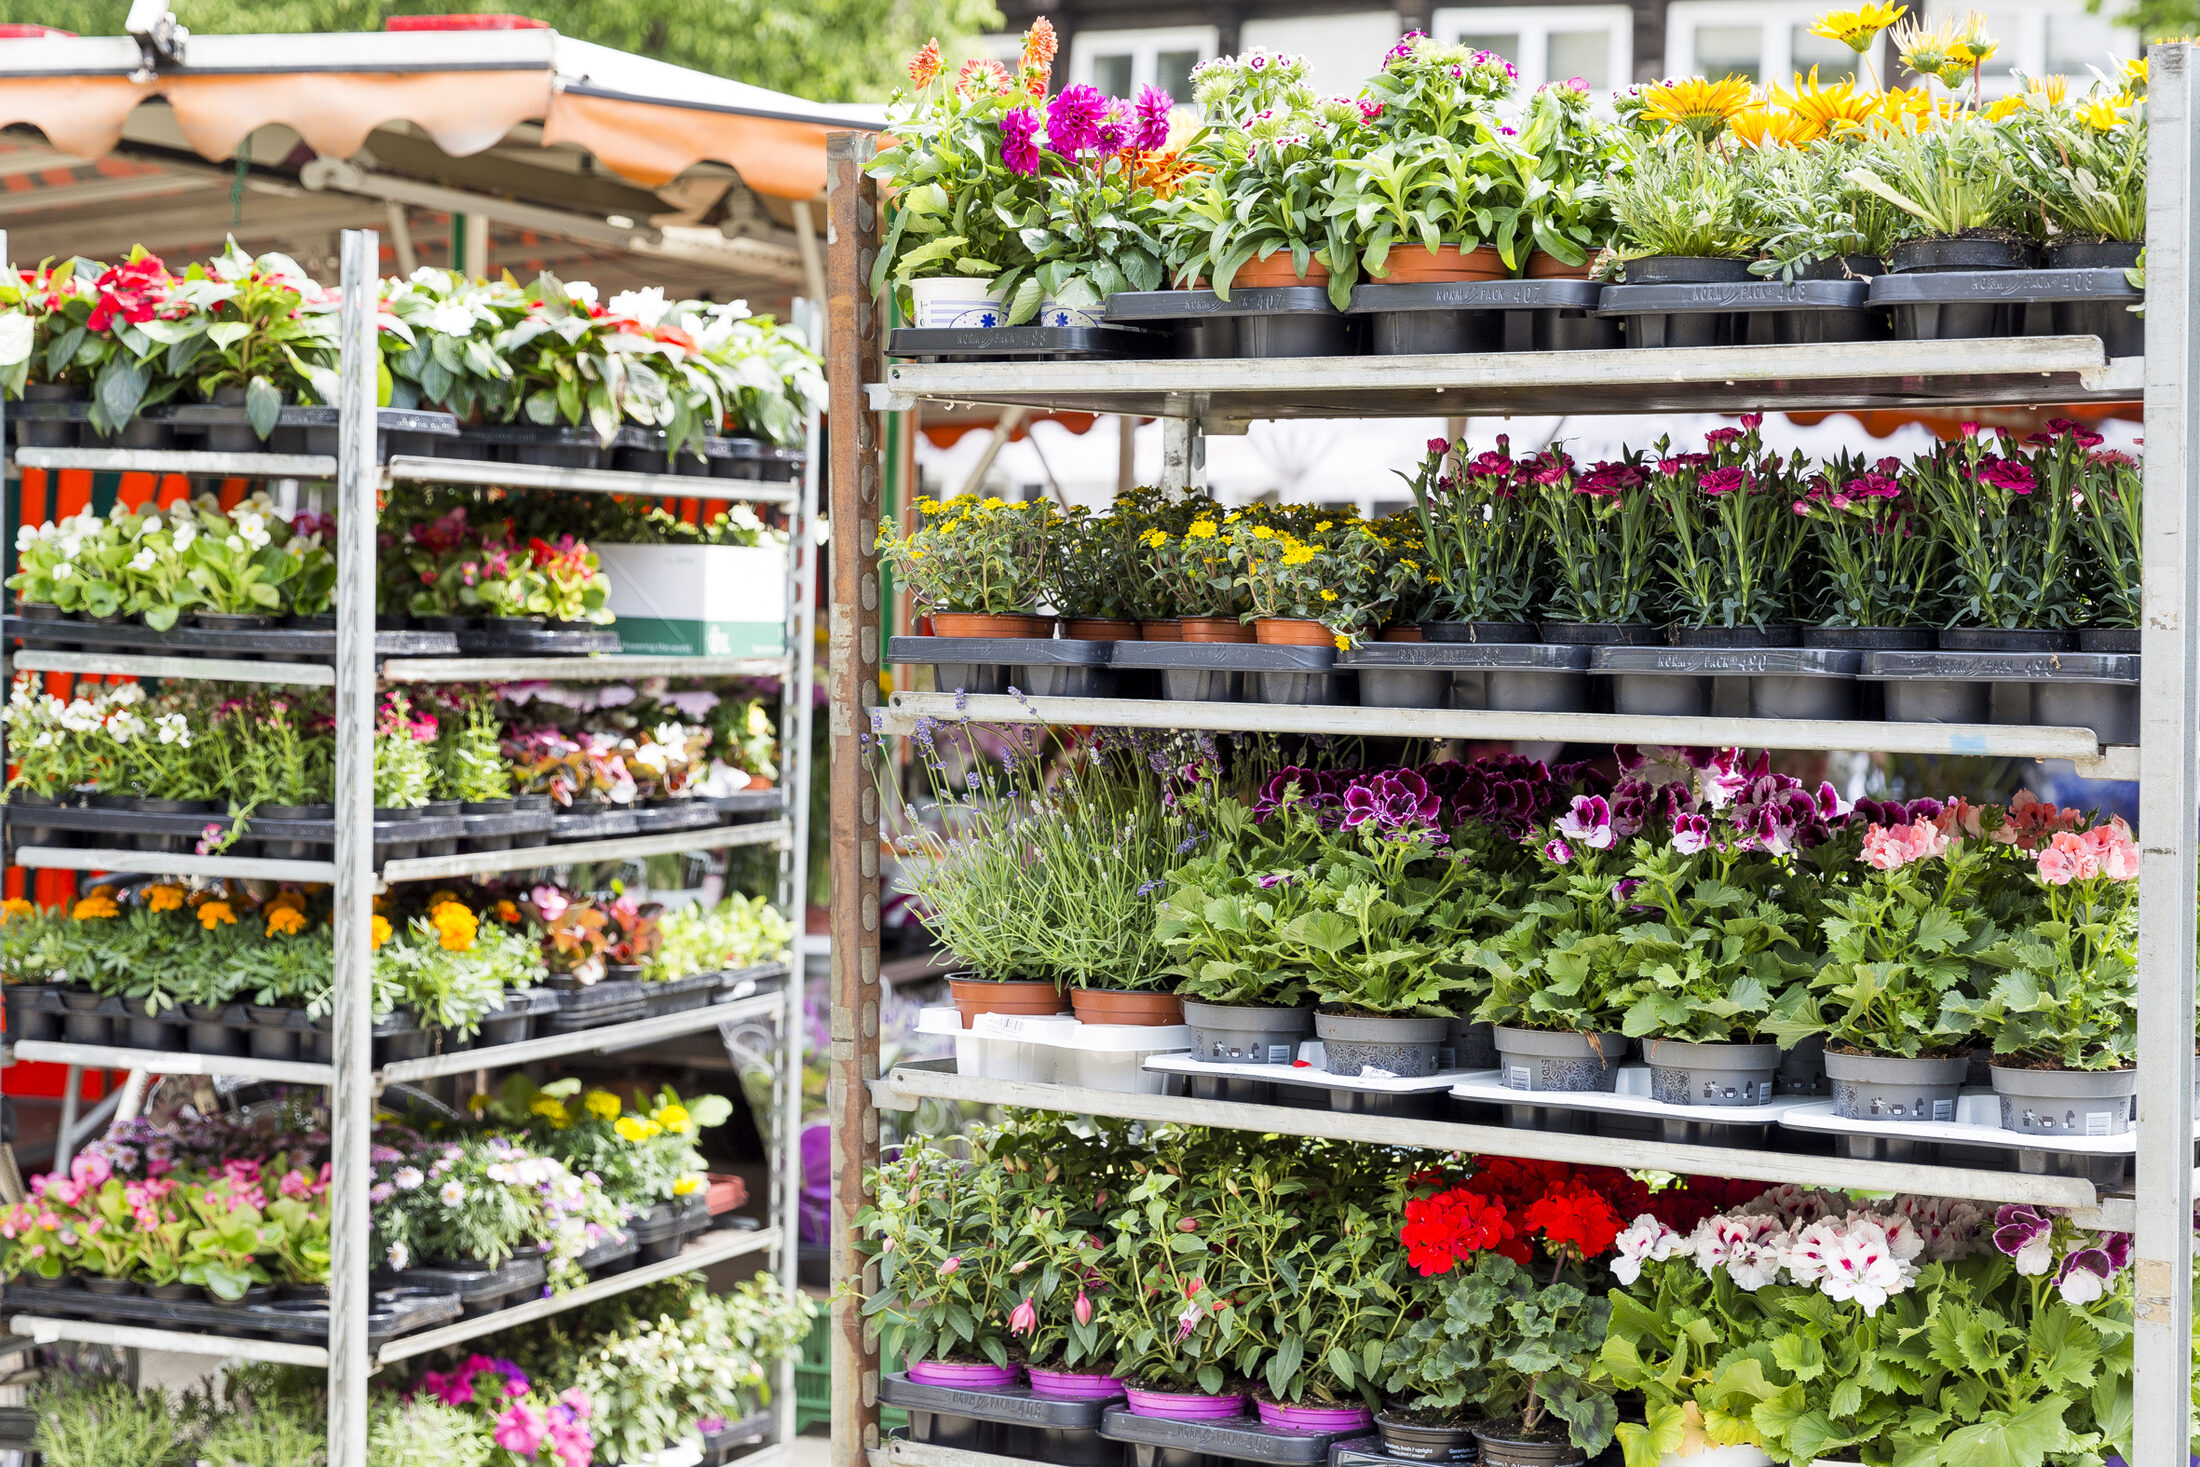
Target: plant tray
(1476, 295)
(1966, 287)
(756, 978)
(1142, 307)
(1974, 1138)
(502, 832)
(730, 1440)
(88, 820)
(1631, 1097)
(478, 1289)
(298, 429)
(1004, 651)
(1223, 657)
(682, 814)
(1738, 297)
(1012, 1405)
(2001, 667)
(1306, 1084)
(1725, 661)
(276, 644)
(1025, 343)
(1244, 1439)
(614, 1254)
(491, 640)
(302, 1321)
(611, 1001)
(680, 995)
(1467, 656)
(593, 825)
(1274, 321)
(750, 804)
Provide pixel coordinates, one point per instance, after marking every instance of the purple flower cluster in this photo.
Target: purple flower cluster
(1699, 798)
(2089, 1264)
(1019, 150)
(1397, 802)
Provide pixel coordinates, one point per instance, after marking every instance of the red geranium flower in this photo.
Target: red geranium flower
(1443, 1230)
(1573, 1217)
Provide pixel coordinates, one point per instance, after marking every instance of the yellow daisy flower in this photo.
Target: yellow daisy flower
(1696, 105)
(1857, 29)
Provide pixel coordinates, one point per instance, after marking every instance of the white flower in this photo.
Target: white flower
(2037, 1256)
(234, 543)
(1646, 1240)
(2081, 1286)
(499, 1172)
(150, 524)
(1864, 1269)
(144, 560)
(407, 1178)
(1903, 1237)
(63, 571)
(646, 306)
(453, 1193)
(25, 537)
(399, 1255)
(1757, 1262)
(581, 292)
(1811, 1254)
(186, 532)
(451, 318)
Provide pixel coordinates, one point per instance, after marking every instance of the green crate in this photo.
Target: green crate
(813, 1380)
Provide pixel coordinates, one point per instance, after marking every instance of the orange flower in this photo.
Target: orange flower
(285, 921)
(455, 926)
(217, 914)
(295, 900)
(1164, 172)
(163, 897)
(15, 907)
(94, 907)
(507, 910)
(378, 931)
(1037, 65)
(924, 68)
(1761, 127)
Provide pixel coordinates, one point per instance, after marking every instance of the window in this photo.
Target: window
(2053, 38)
(1120, 62)
(1550, 43)
(1341, 51)
(1764, 43)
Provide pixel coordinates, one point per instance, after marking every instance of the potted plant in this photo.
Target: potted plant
(2003, 510)
(1879, 563)
(1197, 578)
(156, 581)
(1087, 583)
(1819, 224)
(1566, 156)
(1482, 542)
(1291, 584)
(2108, 523)
(1731, 536)
(1091, 229)
(261, 331)
(1332, 1329)
(1600, 531)
(978, 566)
(1947, 178)
(1677, 207)
(963, 164)
(238, 564)
(2082, 165)
(1900, 946)
(2061, 1013)
(1070, 1179)
(404, 760)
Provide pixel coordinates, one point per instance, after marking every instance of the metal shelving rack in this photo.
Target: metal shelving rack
(353, 1081)
(1200, 397)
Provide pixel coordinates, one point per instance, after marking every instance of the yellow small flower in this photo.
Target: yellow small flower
(995, 502)
(287, 921)
(378, 931)
(216, 914)
(636, 1128)
(1155, 539)
(163, 897)
(2101, 115)
(687, 1186)
(1201, 530)
(602, 1104)
(1344, 643)
(2135, 72)
(1329, 595)
(551, 1109)
(15, 907)
(477, 1102)
(672, 1117)
(1322, 528)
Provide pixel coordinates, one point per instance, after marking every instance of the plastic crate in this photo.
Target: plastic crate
(813, 1379)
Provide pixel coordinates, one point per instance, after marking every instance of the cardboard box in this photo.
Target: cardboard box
(698, 600)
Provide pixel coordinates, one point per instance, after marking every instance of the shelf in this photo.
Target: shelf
(611, 668)
(897, 1452)
(164, 863)
(181, 461)
(138, 1337)
(906, 1085)
(713, 1249)
(411, 468)
(1724, 379)
(569, 853)
(300, 1072)
(204, 669)
(2009, 741)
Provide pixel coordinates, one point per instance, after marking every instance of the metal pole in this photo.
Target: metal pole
(1183, 455)
(852, 217)
(2169, 680)
(351, 1097)
(72, 1087)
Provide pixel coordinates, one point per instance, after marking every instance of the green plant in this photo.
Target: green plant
(740, 932)
(1086, 563)
(404, 764)
(2081, 164)
(72, 563)
(451, 971)
(1566, 157)
(973, 555)
(1946, 176)
(1732, 533)
(2107, 512)
(1289, 577)
(268, 1435)
(1601, 537)
(1879, 562)
(1478, 533)
(230, 1236)
(423, 1432)
(2003, 509)
(472, 750)
(940, 1231)
(1715, 950)
(1557, 966)
(1542, 1340)
(1680, 196)
(237, 560)
(1810, 212)
(90, 1421)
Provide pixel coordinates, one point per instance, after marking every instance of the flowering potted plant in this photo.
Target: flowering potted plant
(2061, 1013)
(1732, 537)
(1087, 584)
(1566, 156)
(1678, 206)
(2108, 525)
(1291, 585)
(1881, 563)
(2002, 507)
(404, 759)
(979, 566)
(1482, 542)
(238, 563)
(1193, 571)
(1600, 529)
(1091, 232)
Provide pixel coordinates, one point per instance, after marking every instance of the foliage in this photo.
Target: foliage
(2002, 508)
(740, 932)
(975, 555)
(1730, 522)
(1602, 541)
(1478, 533)
(1680, 197)
(1881, 561)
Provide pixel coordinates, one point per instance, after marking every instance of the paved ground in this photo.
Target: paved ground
(810, 1451)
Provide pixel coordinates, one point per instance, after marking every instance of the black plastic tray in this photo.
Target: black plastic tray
(1224, 656)
(756, 804)
(593, 824)
(1736, 296)
(298, 428)
(2001, 667)
(478, 1290)
(1014, 1405)
(1266, 321)
(491, 640)
(1727, 661)
(1024, 343)
(613, 1255)
(303, 1321)
(1467, 656)
(88, 820)
(1006, 651)
(679, 995)
(1453, 316)
(1157, 306)
(1959, 305)
(1477, 295)
(1963, 287)
(679, 814)
(1243, 1439)
(279, 644)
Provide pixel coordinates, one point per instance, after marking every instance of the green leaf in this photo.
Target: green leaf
(263, 403)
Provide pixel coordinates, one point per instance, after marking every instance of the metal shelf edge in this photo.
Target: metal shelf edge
(583, 1041)
(46, 1330)
(172, 1062)
(179, 461)
(902, 713)
(573, 669)
(415, 469)
(905, 1085)
(91, 858)
(566, 853)
(204, 669)
(694, 1256)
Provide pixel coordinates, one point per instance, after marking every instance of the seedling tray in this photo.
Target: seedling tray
(1975, 1138)
(1223, 657)
(1243, 1439)
(614, 1254)
(276, 644)
(1741, 297)
(1025, 343)
(679, 995)
(1276, 321)
(304, 1321)
(491, 832)
(756, 978)
(492, 640)
(298, 429)
(1631, 1097)
(1968, 304)
(2001, 667)
(478, 1289)
(593, 824)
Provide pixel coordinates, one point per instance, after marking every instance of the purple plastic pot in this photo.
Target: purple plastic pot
(1068, 1385)
(964, 1377)
(1315, 1418)
(1179, 1406)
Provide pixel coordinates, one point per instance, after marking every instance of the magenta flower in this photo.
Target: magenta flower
(1153, 117)
(1023, 1319)
(2027, 1236)
(1082, 1309)
(1691, 833)
(520, 1429)
(2006, 475)
(1074, 118)
(1725, 481)
(1396, 801)
(1441, 445)
(1588, 820)
(1557, 852)
(1117, 131)
(1018, 152)
(1721, 437)
(1609, 480)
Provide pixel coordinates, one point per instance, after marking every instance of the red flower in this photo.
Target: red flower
(133, 291)
(1574, 1217)
(1442, 1230)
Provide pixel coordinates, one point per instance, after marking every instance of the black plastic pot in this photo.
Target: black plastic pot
(1501, 1448)
(109, 1287)
(237, 436)
(142, 1032)
(1686, 270)
(1279, 321)
(50, 432)
(1869, 639)
(446, 623)
(273, 1038)
(2108, 639)
(28, 1018)
(138, 433)
(1657, 315)
(2005, 639)
(1601, 634)
(211, 1029)
(1961, 252)
(273, 845)
(1506, 632)
(1738, 637)
(233, 621)
(173, 844)
(88, 1018)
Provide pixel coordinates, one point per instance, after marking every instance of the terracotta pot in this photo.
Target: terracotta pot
(1114, 1006)
(1418, 265)
(982, 624)
(975, 996)
(1402, 634)
(1286, 631)
(1171, 630)
(1100, 629)
(1542, 266)
(1277, 269)
(1215, 629)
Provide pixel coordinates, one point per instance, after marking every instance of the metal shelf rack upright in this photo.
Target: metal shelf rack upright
(353, 1081)
(1199, 396)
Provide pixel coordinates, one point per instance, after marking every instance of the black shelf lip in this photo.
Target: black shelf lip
(1046, 342)
(1225, 656)
(1752, 295)
(182, 640)
(1244, 1438)
(490, 640)
(98, 820)
(1053, 651)
(293, 1324)
(1468, 656)
(1947, 287)
(2008, 667)
(1477, 295)
(1728, 661)
(1017, 1405)
(1192, 305)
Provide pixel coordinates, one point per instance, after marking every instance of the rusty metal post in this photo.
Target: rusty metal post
(852, 240)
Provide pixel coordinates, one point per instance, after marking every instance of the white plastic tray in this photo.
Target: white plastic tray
(1057, 1049)
(1630, 1096)
(1308, 1072)
(1977, 1123)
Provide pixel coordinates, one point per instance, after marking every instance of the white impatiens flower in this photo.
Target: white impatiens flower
(1863, 1268)
(1646, 1240)
(450, 318)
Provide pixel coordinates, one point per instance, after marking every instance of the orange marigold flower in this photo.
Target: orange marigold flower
(217, 914)
(507, 910)
(163, 897)
(95, 906)
(924, 67)
(378, 930)
(285, 921)
(15, 907)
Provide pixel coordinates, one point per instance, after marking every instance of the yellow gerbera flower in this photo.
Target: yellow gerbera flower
(2101, 114)
(602, 1104)
(1699, 106)
(1857, 29)
(1831, 109)
(1761, 127)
